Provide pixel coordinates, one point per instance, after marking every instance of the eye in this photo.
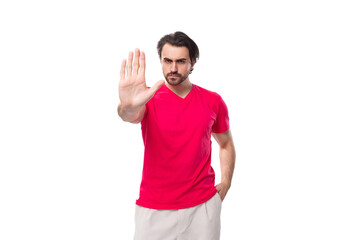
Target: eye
(166, 60)
(182, 61)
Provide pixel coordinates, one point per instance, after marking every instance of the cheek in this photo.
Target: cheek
(186, 68)
(164, 69)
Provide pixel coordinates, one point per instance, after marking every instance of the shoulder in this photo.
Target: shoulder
(206, 93)
(214, 100)
(210, 96)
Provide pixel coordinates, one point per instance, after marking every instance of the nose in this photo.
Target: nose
(174, 67)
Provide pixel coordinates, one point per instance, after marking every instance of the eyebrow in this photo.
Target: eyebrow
(177, 60)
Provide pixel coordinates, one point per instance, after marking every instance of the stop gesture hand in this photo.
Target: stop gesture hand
(133, 92)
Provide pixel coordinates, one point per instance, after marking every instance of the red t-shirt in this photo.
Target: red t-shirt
(177, 170)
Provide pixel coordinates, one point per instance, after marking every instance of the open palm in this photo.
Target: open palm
(133, 91)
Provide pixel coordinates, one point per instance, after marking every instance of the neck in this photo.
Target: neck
(182, 89)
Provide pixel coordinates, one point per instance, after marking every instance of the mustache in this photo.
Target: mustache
(173, 74)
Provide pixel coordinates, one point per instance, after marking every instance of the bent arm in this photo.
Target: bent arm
(227, 160)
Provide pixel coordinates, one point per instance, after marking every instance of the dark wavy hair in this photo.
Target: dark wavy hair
(180, 39)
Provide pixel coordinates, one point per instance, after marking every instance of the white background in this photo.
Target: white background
(288, 71)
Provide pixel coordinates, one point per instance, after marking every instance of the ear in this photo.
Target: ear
(192, 66)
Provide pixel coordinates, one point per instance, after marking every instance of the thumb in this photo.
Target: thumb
(156, 87)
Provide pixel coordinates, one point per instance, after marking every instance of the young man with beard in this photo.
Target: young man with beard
(178, 199)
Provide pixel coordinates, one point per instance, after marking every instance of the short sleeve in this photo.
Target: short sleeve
(222, 118)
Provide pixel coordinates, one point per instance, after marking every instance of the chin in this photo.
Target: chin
(175, 82)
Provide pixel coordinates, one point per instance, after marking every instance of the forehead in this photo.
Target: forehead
(174, 52)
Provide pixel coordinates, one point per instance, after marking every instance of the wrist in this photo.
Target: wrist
(131, 114)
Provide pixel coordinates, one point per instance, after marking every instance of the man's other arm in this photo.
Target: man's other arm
(227, 161)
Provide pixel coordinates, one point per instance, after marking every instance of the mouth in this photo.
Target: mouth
(173, 76)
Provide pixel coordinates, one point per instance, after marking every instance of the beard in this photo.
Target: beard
(174, 78)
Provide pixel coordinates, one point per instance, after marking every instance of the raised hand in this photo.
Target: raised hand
(133, 92)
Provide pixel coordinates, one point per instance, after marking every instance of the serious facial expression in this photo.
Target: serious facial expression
(176, 64)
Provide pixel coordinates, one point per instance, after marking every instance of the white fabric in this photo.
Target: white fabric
(201, 222)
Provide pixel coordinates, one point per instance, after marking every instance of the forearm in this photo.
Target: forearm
(227, 163)
(131, 114)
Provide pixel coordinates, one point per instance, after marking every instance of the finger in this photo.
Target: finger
(136, 62)
(122, 70)
(222, 198)
(156, 87)
(129, 64)
(142, 64)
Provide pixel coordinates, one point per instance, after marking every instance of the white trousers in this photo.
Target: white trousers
(201, 222)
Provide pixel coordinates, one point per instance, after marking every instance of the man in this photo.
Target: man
(178, 199)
